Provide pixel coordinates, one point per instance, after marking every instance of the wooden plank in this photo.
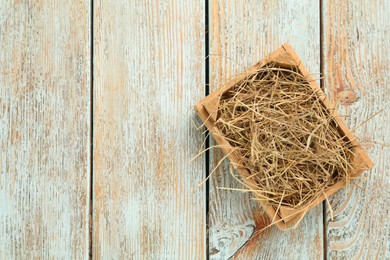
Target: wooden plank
(241, 33)
(149, 73)
(44, 129)
(357, 76)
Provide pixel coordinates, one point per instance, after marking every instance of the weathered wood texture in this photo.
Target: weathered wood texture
(242, 32)
(44, 129)
(148, 74)
(357, 76)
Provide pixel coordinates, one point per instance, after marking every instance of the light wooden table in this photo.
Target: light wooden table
(96, 127)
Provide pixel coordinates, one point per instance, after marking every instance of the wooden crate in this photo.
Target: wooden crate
(207, 109)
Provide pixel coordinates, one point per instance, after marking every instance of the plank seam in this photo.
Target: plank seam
(324, 225)
(90, 233)
(207, 143)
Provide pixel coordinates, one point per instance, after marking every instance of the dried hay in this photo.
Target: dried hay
(284, 136)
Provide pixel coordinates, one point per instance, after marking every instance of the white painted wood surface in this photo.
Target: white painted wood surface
(148, 74)
(241, 33)
(357, 73)
(44, 129)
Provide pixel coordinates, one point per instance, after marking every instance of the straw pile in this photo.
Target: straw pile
(286, 139)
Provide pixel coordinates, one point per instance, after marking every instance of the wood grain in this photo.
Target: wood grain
(242, 32)
(149, 73)
(357, 76)
(44, 129)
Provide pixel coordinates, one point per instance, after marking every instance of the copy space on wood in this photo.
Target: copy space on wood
(149, 73)
(44, 129)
